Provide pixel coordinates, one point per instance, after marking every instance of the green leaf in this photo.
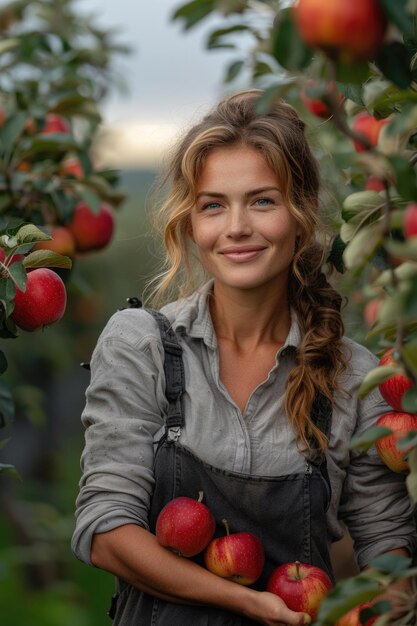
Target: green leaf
(47, 258)
(6, 405)
(375, 377)
(391, 563)
(7, 294)
(406, 271)
(193, 12)
(335, 255)
(405, 177)
(396, 11)
(365, 440)
(233, 70)
(287, 46)
(409, 401)
(91, 198)
(18, 275)
(30, 233)
(360, 201)
(99, 185)
(12, 129)
(363, 246)
(408, 441)
(215, 38)
(409, 354)
(394, 61)
(271, 94)
(353, 74)
(9, 470)
(402, 249)
(346, 595)
(54, 143)
(352, 92)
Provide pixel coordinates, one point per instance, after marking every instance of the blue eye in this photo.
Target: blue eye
(263, 201)
(211, 205)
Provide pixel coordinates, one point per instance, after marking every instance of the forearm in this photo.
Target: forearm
(133, 554)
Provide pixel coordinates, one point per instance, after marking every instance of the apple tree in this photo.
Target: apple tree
(350, 68)
(56, 67)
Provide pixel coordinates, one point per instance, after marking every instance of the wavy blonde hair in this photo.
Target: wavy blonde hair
(279, 134)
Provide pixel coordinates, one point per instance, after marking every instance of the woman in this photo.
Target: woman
(270, 388)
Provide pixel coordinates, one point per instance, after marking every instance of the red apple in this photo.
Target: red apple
(238, 556)
(370, 311)
(91, 231)
(62, 241)
(43, 302)
(301, 586)
(349, 31)
(387, 448)
(316, 106)
(393, 389)
(352, 618)
(185, 525)
(55, 123)
(73, 167)
(368, 126)
(410, 220)
(373, 183)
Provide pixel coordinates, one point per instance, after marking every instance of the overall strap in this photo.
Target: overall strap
(174, 371)
(321, 413)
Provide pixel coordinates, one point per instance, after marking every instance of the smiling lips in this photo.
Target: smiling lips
(242, 254)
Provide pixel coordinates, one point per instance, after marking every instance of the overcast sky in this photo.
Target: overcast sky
(170, 76)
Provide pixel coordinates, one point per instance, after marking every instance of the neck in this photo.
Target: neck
(250, 318)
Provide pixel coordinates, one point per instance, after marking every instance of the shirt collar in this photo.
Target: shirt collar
(191, 316)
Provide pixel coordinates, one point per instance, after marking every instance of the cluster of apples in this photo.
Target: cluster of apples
(44, 300)
(88, 230)
(398, 421)
(187, 526)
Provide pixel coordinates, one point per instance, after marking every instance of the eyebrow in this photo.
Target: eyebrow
(248, 194)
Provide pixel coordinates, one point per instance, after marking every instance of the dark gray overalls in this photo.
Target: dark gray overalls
(287, 513)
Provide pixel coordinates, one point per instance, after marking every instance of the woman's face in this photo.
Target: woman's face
(244, 232)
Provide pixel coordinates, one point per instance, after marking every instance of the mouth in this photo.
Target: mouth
(242, 254)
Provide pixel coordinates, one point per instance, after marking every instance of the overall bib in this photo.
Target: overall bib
(287, 513)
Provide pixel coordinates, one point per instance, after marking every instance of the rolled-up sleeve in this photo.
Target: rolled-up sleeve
(375, 503)
(124, 409)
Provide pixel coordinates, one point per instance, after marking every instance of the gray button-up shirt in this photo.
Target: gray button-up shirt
(124, 415)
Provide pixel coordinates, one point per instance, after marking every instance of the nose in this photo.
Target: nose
(239, 223)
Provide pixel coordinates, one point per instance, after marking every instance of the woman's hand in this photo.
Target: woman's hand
(267, 608)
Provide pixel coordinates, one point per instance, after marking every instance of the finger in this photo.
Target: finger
(291, 618)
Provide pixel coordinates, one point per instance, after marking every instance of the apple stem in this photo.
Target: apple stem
(226, 525)
(297, 570)
(200, 496)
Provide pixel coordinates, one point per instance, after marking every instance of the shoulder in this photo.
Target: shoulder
(133, 327)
